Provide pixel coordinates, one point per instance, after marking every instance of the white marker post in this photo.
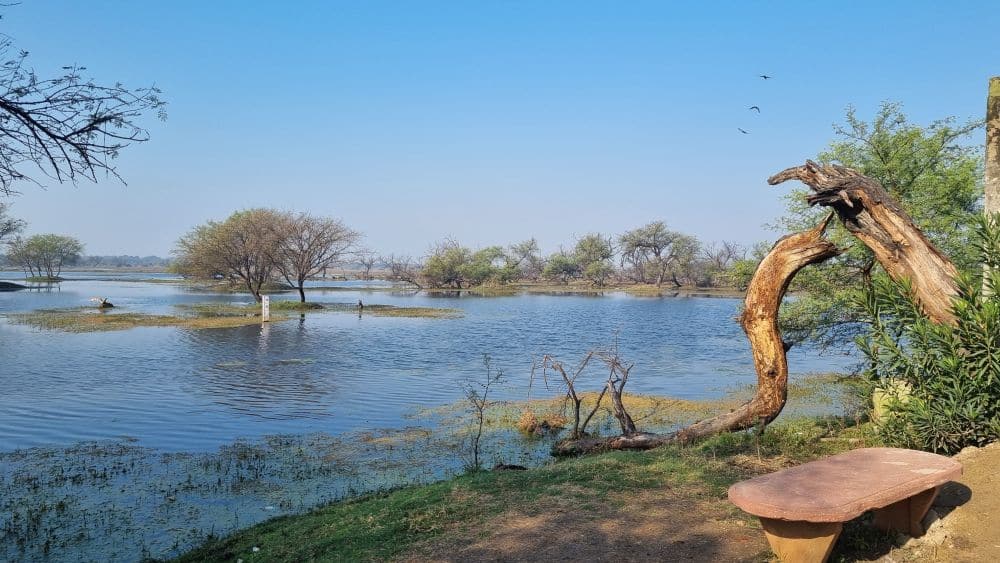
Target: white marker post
(265, 308)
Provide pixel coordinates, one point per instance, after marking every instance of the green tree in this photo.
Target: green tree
(243, 248)
(526, 257)
(593, 255)
(930, 170)
(44, 255)
(561, 266)
(446, 265)
(489, 265)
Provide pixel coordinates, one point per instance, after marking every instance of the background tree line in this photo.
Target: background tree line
(650, 254)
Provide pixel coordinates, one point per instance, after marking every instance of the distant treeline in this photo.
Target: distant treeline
(122, 261)
(650, 254)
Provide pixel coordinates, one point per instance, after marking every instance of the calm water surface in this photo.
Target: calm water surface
(123, 445)
(193, 390)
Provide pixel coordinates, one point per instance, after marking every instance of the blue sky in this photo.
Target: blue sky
(488, 122)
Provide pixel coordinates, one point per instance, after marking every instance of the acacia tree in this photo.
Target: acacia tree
(593, 254)
(367, 258)
(526, 257)
(307, 244)
(241, 248)
(653, 252)
(67, 127)
(402, 268)
(44, 255)
(446, 265)
(932, 173)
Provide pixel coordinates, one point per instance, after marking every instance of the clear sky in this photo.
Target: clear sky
(488, 122)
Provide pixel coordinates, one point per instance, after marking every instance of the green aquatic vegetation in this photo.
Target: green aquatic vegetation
(204, 315)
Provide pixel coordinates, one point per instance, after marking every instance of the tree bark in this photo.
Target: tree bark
(760, 322)
(870, 214)
(992, 184)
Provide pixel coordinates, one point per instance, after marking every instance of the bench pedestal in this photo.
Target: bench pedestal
(906, 515)
(801, 541)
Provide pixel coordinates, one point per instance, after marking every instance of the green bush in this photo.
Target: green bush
(953, 371)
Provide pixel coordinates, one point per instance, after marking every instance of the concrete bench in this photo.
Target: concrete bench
(802, 509)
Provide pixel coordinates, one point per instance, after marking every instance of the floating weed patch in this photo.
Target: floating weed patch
(205, 315)
(88, 319)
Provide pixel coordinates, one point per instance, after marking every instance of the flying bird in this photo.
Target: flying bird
(755, 108)
(765, 77)
(743, 131)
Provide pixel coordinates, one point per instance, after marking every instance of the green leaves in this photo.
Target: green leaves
(954, 371)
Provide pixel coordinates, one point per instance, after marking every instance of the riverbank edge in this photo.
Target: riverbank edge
(416, 519)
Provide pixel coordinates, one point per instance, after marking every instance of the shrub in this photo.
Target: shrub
(953, 371)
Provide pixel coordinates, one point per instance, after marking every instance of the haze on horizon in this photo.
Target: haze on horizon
(487, 123)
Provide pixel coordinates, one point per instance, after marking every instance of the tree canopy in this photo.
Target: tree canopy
(932, 172)
(44, 255)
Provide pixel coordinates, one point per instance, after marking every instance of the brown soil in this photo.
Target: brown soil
(969, 508)
(697, 525)
(662, 525)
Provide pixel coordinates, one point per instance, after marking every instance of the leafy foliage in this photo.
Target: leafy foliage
(952, 372)
(44, 255)
(929, 170)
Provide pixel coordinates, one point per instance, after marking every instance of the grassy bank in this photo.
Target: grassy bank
(450, 516)
(204, 316)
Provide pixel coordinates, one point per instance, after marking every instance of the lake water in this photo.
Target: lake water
(183, 398)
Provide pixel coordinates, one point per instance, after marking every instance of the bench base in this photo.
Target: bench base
(907, 515)
(804, 542)
(812, 542)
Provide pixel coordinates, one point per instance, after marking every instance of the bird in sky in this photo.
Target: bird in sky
(755, 108)
(745, 132)
(765, 77)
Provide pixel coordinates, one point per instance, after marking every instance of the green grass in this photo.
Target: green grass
(385, 525)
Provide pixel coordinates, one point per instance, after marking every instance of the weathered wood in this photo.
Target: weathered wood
(874, 217)
(992, 183)
(760, 322)
(801, 542)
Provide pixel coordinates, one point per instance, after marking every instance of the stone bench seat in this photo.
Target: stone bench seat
(802, 509)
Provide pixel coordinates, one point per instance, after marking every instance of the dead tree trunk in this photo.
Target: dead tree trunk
(870, 214)
(760, 322)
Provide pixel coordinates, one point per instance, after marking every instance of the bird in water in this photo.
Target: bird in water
(755, 108)
(765, 77)
(743, 131)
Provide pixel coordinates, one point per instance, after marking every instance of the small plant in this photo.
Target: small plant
(477, 393)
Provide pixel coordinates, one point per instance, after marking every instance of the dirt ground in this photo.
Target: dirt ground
(969, 510)
(675, 525)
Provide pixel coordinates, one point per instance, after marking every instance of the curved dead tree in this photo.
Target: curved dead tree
(872, 215)
(869, 213)
(760, 322)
